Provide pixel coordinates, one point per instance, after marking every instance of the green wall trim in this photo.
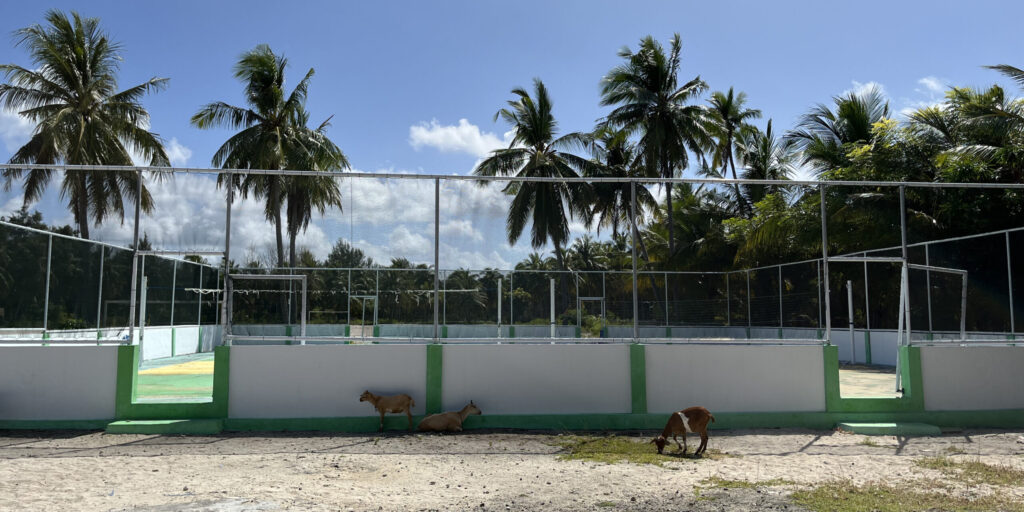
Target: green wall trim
(127, 408)
(287, 332)
(199, 341)
(444, 331)
(867, 347)
(53, 424)
(638, 378)
(174, 342)
(376, 331)
(435, 369)
(910, 374)
(511, 331)
(654, 422)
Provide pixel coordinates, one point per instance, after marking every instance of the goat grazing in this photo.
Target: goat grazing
(691, 419)
(448, 421)
(393, 403)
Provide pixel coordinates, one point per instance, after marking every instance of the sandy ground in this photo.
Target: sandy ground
(471, 471)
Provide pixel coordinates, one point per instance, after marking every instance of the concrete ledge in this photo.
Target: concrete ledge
(891, 429)
(191, 427)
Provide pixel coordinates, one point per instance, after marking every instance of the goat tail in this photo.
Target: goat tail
(712, 418)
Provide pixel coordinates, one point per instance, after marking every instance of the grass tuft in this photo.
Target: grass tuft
(974, 472)
(613, 449)
(847, 497)
(725, 483)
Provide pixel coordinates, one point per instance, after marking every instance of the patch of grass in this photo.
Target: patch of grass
(974, 471)
(606, 504)
(613, 449)
(867, 441)
(847, 497)
(955, 450)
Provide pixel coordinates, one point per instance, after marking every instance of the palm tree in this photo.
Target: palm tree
(822, 133)
(71, 96)
(273, 132)
(303, 194)
(616, 157)
(650, 102)
(729, 120)
(765, 157)
(535, 152)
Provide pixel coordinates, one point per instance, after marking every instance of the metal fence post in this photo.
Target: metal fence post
(511, 299)
(781, 321)
(728, 301)
(824, 263)
(867, 301)
(99, 293)
(749, 320)
(46, 295)
(636, 305)
(199, 298)
(174, 285)
(437, 268)
(667, 324)
(903, 247)
(225, 312)
(1009, 283)
(928, 284)
(499, 307)
(135, 261)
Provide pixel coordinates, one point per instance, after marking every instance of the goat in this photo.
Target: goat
(394, 403)
(691, 419)
(448, 421)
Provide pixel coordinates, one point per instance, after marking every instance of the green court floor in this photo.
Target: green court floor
(176, 379)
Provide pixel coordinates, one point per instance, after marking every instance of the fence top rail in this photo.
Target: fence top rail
(463, 177)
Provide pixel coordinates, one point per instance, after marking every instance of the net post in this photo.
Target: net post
(499, 307)
(551, 287)
(99, 293)
(636, 305)
(305, 313)
(906, 261)
(849, 308)
(824, 264)
(867, 301)
(1009, 283)
(135, 259)
(749, 322)
(781, 322)
(437, 269)
(928, 284)
(728, 301)
(667, 324)
(963, 309)
(143, 297)
(199, 298)
(46, 295)
(225, 303)
(174, 285)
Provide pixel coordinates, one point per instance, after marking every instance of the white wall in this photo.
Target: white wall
(156, 343)
(972, 378)
(537, 379)
(315, 381)
(735, 378)
(58, 383)
(186, 340)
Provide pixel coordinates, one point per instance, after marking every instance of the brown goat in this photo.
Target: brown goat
(448, 421)
(393, 403)
(691, 419)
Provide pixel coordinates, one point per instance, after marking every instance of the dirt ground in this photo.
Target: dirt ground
(470, 471)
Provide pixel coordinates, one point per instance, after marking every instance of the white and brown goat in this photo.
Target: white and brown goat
(448, 421)
(393, 403)
(691, 419)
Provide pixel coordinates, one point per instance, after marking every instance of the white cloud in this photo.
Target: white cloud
(15, 130)
(930, 93)
(461, 228)
(177, 153)
(462, 138)
(863, 88)
(931, 83)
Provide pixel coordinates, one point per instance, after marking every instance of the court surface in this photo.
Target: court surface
(186, 378)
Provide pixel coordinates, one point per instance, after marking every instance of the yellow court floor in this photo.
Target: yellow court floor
(188, 368)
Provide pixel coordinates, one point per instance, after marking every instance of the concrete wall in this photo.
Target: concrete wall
(737, 378)
(57, 383)
(186, 340)
(972, 378)
(537, 379)
(322, 381)
(156, 343)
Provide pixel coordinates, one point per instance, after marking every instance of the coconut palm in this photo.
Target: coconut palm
(822, 133)
(616, 157)
(764, 156)
(729, 120)
(272, 135)
(536, 152)
(303, 194)
(648, 100)
(81, 118)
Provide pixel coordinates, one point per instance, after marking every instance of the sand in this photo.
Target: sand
(469, 471)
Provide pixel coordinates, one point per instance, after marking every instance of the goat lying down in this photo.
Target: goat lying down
(691, 419)
(385, 404)
(448, 421)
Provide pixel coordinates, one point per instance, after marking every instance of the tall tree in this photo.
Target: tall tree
(272, 135)
(81, 118)
(615, 157)
(648, 100)
(536, 152)
(729, 120)
(764, 156)
(823, 134)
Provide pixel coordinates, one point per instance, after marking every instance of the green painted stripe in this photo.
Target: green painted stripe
(376, 331)
(127, 365)
(444, 331)
(867, 347)
(288, 332)
(199, 341)
(435, 369)
(560, 422)
(221, 379)
(174, 342)
(638, 378)
(910, 373)
(511, 331)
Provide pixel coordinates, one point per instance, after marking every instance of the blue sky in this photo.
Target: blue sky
(413, 86)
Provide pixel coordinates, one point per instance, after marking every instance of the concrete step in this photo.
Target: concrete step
(191, 427)
(891, 429)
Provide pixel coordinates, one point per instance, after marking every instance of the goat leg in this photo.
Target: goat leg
(408, 413)
(382, 421)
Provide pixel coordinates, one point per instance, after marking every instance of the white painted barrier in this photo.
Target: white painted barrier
(736, 378)
(537, 379)
(156, 343)
(960, 378)
(316, 381)
(58, 383)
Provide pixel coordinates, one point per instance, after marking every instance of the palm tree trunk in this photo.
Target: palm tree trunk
(740, 202)
(667, 173)
(563, 290)
(291, 248)
(636, 229)
(82, 211)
